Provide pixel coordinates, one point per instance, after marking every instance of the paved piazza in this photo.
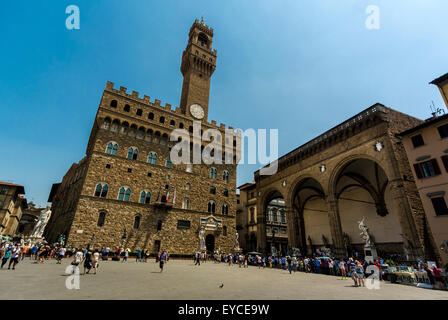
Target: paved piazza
(182, 280)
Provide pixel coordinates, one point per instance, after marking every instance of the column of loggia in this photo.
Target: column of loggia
(411, 240)
(339, 249)
(292, 230)
(261, 228)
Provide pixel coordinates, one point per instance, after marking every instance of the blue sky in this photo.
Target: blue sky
(299, 66)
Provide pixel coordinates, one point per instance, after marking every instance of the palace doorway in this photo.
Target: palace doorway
(210, 242)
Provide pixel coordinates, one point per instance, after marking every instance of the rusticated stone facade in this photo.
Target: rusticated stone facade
(12, 206)
(101, 199)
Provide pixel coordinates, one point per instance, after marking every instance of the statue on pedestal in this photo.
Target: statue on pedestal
(201, 239)
(369, 247)
(236, 245)
(365, 233)
(41, 224)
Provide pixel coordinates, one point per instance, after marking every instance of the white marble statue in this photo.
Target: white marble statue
(236, 244)
(41, 223)
(365, 233)
(201, 238)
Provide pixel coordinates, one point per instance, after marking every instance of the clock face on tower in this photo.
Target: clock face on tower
(197, 111)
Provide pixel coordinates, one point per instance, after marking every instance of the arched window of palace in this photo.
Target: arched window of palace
(112, 148)
(101, 190)
(145, 196)
(225, 176)
(169, 164)
(125, 194)
(211, 207)
(152, 158)
(132, 153)
(225, 209)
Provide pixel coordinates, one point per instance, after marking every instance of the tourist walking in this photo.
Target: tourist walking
(87, 262)
(33, 252)
(96, 260)
(24, 252)
(359, 274)
(125, 256)
(438, 277)
(77, 258)
(163, 258)
(197, 259)
(289, 262)
(15, 255)
(6, 255)
(343, 270)
(61, 254)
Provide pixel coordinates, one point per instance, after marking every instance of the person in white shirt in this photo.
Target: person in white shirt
(61, 254)
(77, 258)
(96, 259)
(15, 255)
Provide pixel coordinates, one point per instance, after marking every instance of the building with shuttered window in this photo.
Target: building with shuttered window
(427, 149)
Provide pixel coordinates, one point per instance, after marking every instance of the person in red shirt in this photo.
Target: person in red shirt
(379, 269)
(438, 277)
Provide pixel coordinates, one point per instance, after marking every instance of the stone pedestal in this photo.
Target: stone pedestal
(237, 250)
(370, 254)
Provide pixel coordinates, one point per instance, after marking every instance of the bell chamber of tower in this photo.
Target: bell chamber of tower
(197, 67)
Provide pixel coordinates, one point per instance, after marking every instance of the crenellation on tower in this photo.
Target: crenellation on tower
(201, 26)
(109, 85)
(158, 104)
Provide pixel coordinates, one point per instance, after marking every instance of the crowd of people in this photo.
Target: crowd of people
(356, 269)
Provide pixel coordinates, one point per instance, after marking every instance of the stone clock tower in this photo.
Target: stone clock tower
(198, 64)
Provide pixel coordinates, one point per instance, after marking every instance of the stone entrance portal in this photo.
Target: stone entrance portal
(210, 242)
